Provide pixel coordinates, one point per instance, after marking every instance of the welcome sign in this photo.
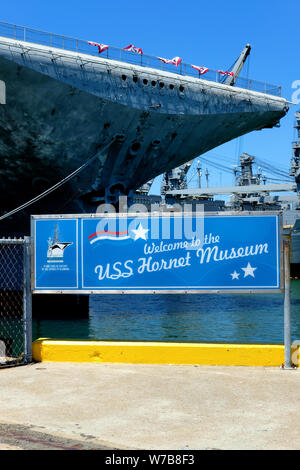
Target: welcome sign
(165, 253)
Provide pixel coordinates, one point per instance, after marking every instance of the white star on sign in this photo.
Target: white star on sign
(140, 232)
(234, 275)
(249, 271)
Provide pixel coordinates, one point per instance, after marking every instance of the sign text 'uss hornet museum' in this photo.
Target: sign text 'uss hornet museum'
(158, 253)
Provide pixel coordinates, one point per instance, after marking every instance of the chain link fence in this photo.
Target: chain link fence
(15, 302)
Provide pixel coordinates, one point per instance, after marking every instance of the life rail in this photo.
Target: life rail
(23, 33)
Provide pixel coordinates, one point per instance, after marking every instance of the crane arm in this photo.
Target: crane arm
(236, 69)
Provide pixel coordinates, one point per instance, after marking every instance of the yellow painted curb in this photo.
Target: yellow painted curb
(158, 353)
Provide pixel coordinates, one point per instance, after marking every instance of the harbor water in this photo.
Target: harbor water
(211, 318)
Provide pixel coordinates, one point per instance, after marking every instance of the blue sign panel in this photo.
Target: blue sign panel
(56, 254)
(157, 253)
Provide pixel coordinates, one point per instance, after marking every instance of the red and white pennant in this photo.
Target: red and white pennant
(132, 48)
(226, 73)
(101, 47)
(201, 70)
(175, 61)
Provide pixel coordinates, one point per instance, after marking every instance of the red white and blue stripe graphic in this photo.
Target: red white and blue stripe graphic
(108, 235)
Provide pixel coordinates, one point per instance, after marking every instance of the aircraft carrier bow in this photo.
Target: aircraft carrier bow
(65, 104)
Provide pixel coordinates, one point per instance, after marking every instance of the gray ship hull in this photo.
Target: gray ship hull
(64, 107)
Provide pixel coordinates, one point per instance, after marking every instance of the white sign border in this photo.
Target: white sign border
(165, 290)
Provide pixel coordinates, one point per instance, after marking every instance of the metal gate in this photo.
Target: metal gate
(15, 302)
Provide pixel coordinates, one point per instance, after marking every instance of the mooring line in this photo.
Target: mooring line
(56, 186)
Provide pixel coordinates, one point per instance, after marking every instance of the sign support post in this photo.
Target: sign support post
(287, 305)
(27, 301)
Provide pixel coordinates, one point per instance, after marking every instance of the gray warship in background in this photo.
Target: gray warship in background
(250, 193)
(134, 116)
(262, 200)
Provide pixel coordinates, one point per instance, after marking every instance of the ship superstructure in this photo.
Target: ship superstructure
(295, 162)
(252, 192)
(259, 198)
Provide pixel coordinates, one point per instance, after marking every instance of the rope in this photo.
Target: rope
(56, 186)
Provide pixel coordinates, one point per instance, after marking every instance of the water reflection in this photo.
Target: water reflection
(239, 318)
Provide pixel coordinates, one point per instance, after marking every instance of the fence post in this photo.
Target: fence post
(287, 306)
(27, 301)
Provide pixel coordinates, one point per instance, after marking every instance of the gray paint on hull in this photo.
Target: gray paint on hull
(64, 107)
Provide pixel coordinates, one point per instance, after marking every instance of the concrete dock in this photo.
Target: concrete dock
(53, 405)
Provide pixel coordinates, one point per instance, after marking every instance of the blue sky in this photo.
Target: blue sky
(210, 33)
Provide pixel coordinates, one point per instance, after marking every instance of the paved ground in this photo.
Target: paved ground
(121, 406)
